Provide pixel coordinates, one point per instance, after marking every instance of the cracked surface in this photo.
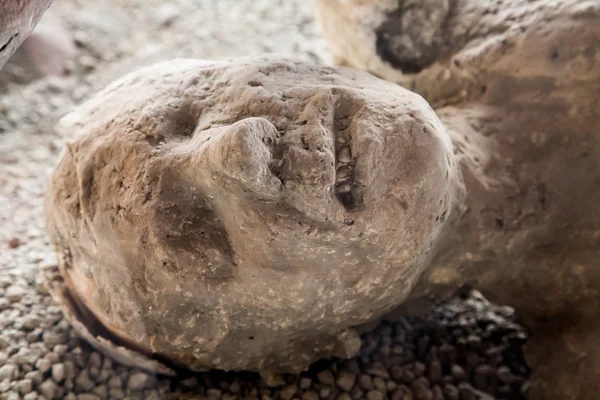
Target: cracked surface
(206, 210)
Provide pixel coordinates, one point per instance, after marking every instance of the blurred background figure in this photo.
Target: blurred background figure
(46, 42)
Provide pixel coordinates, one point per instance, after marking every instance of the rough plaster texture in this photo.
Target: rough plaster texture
(517, 85)
(247, 214)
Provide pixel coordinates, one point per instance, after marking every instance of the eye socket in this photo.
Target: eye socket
(10, 39)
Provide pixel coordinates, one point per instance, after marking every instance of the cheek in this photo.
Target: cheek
(310, 168)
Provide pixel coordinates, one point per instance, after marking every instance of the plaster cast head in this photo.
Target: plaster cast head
(245, 214)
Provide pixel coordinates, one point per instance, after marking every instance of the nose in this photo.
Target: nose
(242, 154)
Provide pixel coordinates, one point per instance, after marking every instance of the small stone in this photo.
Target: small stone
(482, 372)
(116, 393)
(87, 396)
(505, 375)
(466, 392)
(35, 376)
(101, 391)
(345, 380)
(458, 372)
(326, 377)
(14, 293)
(48, 389)
(310, 395)
(435, 371)
(375, 395)
(14, 242)
(451, 392)
(5, 385)
(419, 369)
(27, 355)
(353, 366)
(357, 394)
(325, 392)
(7, 371)
(189, 383)
(115, 382)
(107, 364)
(95, 360)
(397, 373)
(31, 322)
(43, 365)
(473, 359)
(60, 349)
(402, 393)
(153, 395)
(438, 394)
(365, 382)
(32, 396)
(166, 14)
(379, 383)
(94, 372)
(423, 345)
(213, 394)
(377, 369)
(103, 375)
(235, 388)
(83, 381)
(87, 62)
(10, 396)
(138, 381)
(305, 383)
(25, 386)
(58, 372)
(288, 392)
(51, 339)
(344, 396)
(33, 336)
(420, 390)
(69, 369)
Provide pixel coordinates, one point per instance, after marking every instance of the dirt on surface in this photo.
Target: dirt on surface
(466, 349)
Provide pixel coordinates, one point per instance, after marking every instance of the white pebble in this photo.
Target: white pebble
(14, 293)
(138, 381)
(166, 14)
(30, 396)
(87, 396)
(25, 386)
(58, 372)
(43, 365)
(48, 389)
(7, 371)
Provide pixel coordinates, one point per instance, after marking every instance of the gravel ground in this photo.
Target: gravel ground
(465, 349)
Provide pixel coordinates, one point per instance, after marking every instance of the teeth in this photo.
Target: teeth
(345, 188)
(342, 139)
(344, 155)
(343, 173)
